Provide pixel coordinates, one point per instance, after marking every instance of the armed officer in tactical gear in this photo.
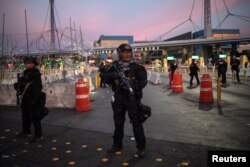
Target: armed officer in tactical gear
(30, 86)
(127, 78)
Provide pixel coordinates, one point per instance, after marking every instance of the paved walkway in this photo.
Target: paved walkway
(67, 146)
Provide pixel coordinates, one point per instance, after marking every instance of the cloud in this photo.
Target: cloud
(145, 19)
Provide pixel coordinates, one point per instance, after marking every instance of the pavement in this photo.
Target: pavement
(180, 131)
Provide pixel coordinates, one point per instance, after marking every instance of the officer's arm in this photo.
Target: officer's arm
(110, 75)
(36, 87)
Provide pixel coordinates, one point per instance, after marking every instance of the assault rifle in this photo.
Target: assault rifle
(124, 80)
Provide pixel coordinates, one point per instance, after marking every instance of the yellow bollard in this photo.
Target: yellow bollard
(97, 80)
(218, 91)
(216, 75)
(245, 76)
(233, 76)
(88, 83)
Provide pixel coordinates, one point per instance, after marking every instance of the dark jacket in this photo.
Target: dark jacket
(193, 68)
(33, 92)
(221, 66)
(235, 64)
(172, 68)
(136, 75)
(102, 70)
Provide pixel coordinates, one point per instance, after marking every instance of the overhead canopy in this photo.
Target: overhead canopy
(102, 56)
(114, 56)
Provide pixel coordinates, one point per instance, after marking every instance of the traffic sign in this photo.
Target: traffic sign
(195, 57)
(222, 56)
(170, 58)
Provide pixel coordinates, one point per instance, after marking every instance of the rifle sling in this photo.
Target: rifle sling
(25, 89)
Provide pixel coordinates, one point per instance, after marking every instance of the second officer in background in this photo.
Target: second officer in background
(235, 67)
(221, 66)
(30, 85)
(123, 100)
(194, 69)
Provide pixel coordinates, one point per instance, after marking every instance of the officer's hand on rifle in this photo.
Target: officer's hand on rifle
(124, 86)
(136, 87)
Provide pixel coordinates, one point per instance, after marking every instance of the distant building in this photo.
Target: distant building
(213, 50)
(184, 36)
(218, 33)
(114, 40)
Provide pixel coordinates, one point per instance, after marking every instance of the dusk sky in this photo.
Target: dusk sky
(144, 19)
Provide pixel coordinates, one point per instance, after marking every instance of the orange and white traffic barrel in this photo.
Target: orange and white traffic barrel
(206, 89)
(177, 83)
(82, 96)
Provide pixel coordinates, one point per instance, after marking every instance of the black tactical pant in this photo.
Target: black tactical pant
(121, 104)
(28, 117)
(192, 77)
(102, 81)
(223, 76)
(237, 71)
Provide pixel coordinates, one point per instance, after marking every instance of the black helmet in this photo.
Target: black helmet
(30, 59)
(124, 47)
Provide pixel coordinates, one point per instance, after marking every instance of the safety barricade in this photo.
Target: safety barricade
(155, 78)
(177, 83)
(206, 89)
(82, 96)
(89, 83)
(149, 75)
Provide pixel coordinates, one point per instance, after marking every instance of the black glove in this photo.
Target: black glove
(136, 87)
(124, 86)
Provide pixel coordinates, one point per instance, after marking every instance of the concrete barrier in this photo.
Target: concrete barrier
(59, 95)
(154, 77)
(149, 75)
(7, 95)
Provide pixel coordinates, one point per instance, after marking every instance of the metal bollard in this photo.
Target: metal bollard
(245, 76)
(218, 91)
(233, 76)
(97, 80)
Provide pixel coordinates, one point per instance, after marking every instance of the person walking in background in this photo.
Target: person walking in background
(102, 73)
(127, 97)
(171, 71)
(235, 67)
(194, 69)
(221, 66)
(30, 85)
